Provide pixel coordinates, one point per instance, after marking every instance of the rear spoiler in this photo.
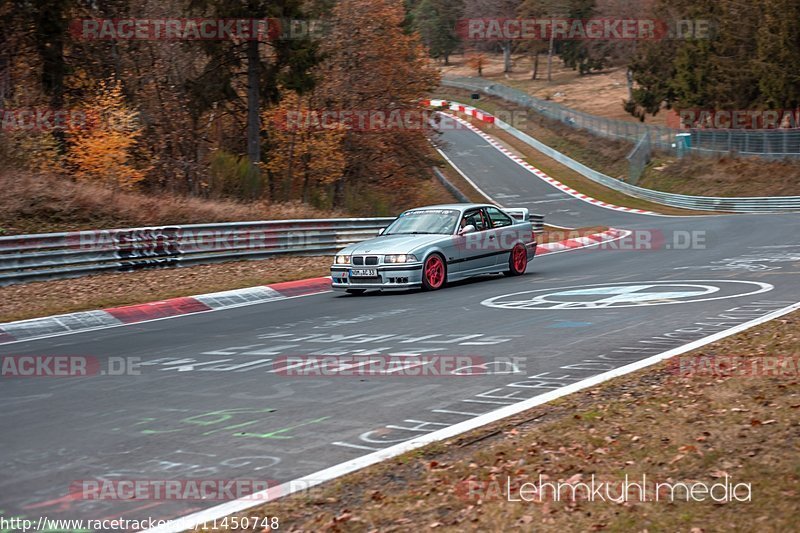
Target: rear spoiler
(519, 213)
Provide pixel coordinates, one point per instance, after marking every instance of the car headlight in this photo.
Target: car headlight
(342, 260)
(402, 258)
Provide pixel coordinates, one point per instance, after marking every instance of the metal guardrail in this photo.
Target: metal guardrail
(49, 256)
(63, 255)
(771, 143)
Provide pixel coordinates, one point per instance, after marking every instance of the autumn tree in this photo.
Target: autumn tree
(477, 61)
(373, 65)
(101, 146)
(305, 155)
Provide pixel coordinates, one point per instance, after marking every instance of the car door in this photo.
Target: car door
(477, 248)
(504, 233)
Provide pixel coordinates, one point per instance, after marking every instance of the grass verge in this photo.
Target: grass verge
(671, 427)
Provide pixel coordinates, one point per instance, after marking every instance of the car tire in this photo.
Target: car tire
(517, 261)
(355, 291)
(434, 272)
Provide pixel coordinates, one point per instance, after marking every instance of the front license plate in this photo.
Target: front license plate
(363, 273)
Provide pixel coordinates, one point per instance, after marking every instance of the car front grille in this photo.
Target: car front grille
(365, 260)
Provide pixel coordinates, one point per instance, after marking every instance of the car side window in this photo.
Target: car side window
(476, 219)
(498, 218)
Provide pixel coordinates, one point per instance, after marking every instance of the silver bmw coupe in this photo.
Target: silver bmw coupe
(430, 246)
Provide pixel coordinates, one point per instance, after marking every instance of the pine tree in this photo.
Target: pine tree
(578, 54)
(435, 21)
(777, 57)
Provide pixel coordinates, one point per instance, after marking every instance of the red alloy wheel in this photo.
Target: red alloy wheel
(518, 261)
(433, 274)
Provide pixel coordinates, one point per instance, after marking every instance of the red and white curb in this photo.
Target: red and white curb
(51, 326)
(490, 119)
(38, 328)
(582, 242)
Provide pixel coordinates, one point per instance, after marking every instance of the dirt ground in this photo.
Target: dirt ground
(601, 93)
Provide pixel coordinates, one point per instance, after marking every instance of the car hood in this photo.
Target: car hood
(393, 244)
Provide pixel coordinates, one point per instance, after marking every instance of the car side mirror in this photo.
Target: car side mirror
(469, 228)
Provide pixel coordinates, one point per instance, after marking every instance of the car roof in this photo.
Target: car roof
(459, 207)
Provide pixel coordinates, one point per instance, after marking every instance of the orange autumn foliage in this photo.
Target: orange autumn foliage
(302, 155)
(101, 149)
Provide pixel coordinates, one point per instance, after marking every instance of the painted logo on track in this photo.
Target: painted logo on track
(627, 294)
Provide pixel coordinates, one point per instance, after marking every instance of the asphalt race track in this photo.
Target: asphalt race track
(209, 403)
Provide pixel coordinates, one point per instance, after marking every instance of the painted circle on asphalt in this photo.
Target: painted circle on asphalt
(627, 294)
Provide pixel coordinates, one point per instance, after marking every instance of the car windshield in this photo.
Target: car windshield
(423, 221)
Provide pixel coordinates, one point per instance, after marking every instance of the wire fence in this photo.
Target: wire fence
(771, 143)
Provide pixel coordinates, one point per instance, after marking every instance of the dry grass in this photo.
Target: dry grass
(39, 203)
(35, 203)
(727, 176)
(670, 427)
(600, 93)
